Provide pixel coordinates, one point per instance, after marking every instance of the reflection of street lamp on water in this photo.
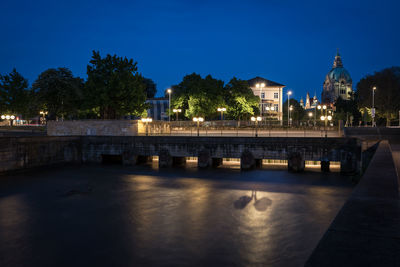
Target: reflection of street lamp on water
(176, 111)
(222, 110)
(147, 120)
(198, 120)
(256, 120)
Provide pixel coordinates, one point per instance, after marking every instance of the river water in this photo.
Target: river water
(101, 215)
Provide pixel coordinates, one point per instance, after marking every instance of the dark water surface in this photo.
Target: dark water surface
(142, 216)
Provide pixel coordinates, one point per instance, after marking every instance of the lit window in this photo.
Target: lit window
(276, 95)
(262, 95)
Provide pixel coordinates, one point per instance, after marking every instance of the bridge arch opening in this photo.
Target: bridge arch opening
(111, 159)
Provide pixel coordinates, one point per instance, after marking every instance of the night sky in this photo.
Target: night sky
(290, 42)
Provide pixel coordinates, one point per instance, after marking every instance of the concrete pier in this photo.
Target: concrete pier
(296, 162)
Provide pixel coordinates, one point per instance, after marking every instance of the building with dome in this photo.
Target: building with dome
(337, 83)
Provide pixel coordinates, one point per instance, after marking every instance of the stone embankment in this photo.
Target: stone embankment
(26, 152)
(366, 232)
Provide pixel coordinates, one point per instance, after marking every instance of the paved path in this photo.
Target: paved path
(366, 232)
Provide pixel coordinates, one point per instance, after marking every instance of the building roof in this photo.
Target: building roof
(254, 81)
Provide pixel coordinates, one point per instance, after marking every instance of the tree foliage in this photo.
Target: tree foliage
(297, 114)
(387, 94)
(151, 88)
(346, 110)
(242, 103)
(114, 87)
(15, 97)
(198, 96)
(58, 92)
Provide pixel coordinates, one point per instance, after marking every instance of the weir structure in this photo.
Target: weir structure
(210, 151)
(26, 152)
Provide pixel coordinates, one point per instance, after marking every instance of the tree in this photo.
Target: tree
(151, 88)
(387, 94)
(114, 87)
(347, 108)
(15, 98)
(297, 114)
(198, 96)
(58, 92)
(241, 101)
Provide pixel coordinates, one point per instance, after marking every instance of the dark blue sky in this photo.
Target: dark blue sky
(290, 42)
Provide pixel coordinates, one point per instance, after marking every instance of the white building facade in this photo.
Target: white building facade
(271, 97)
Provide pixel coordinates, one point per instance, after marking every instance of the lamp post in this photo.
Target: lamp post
(169, 91)
(326, 119)
(315, 116)
(310, 116)
(198, 120)
(288, 101)
(256, 120)
(222, 110)
(147, 120)
(176, 111)
(43, 113)
(260, 86)
(10, 118)
(290, 113)
(373, 106)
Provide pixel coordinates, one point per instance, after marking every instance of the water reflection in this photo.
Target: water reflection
(260, 204)
(141, 216)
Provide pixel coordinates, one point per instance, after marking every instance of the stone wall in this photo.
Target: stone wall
(95, 127)
(27, 152)
(105, 128)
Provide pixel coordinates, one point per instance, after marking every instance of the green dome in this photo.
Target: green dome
(339, 74)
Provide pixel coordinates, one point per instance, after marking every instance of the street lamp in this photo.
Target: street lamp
(373, 106)
(10, 118)
(222, 112)
(326, 118)
(198, 120)
(176, 111)
(288, 100)
(169, 91)
(260, 86)
(147, 120)
(290, 109)
(309, 116)
(256, 120)
(44, 113)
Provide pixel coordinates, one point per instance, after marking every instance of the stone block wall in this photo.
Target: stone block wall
(95, 127)
(27, 152)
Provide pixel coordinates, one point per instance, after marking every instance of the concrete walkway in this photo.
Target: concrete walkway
(366, 232)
